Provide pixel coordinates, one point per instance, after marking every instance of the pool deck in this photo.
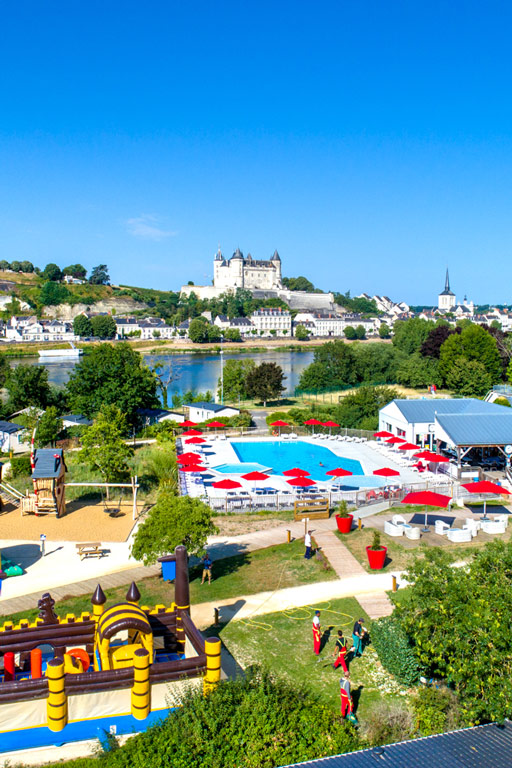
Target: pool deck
(220, 452)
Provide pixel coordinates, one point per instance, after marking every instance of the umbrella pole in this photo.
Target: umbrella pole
(485, 511)
(425, 528)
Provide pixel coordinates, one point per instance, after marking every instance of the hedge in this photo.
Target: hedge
(395, 651)
(20, 465)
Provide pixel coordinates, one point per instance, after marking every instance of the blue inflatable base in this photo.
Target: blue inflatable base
(30, 738)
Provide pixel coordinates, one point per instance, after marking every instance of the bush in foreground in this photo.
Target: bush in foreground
(394, 650)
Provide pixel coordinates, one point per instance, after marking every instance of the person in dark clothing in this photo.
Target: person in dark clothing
(207, 568)
(340, 653)
(357, 638)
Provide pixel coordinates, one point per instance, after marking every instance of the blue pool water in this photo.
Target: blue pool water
(242, 468)
(281, 456)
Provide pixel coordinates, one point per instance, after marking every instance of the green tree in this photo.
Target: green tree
(75, 270)
(53, 294)
(4, 265)
(468, 378)
(27, 385)
(360, 410)
(4, 370)
(171, 521)
(198, 331)
(265, 382)
(82, 326)
(431, 347)
(27, 266)
(112, 375)
(254, 721)
(360, 332)
(384, 331)
(458, 620)
(16, 266)
(350, 333)
(417, 371)
(301, 333)
(49, 427)
(473, 344)
(409, 335)
(103, 445)
(375, 363)
(99, 275)
(213, 333)
(300, 283)
(235, 377)
(333, 366)
(232, 334)
(52, 272)
(103, 326)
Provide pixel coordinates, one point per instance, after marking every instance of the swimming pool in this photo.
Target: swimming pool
(242, 468)
(282, 455)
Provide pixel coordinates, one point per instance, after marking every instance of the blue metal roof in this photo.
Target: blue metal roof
(424, 411)
(9, 427)
(485, 746)
(47, 462)
(214, 407)
(480, 429)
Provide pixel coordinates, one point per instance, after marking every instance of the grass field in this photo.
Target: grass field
(259, 571)
(283, 642)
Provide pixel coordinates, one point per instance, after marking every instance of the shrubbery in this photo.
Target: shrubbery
(20, 465)
(387, 723)
(394, 650)
(436, 711)
(256, 721)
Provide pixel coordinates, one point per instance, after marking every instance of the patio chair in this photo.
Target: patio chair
(441, 527)
(459, 535)
(493, 526)
(412, 532)
(286, 436)
(293, 436)
(398, 520)
(473, 525)
(393, 530)
(501, 519)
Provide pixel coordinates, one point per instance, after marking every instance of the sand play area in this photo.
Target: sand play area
(84, 521)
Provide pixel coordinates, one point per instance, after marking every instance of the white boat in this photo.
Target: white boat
(72, 352)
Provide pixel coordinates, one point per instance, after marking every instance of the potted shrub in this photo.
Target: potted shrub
(376, 553)
(344, 518)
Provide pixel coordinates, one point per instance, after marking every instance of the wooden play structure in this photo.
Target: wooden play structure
(313, 508)
(116, 669)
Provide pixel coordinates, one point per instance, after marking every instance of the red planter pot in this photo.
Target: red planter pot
(344, 523)
(376, 557)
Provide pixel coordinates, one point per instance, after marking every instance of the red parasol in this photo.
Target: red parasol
(428, 499)
(386, 472)
(484, 486)
(430, 456)
(339, 472)
(279, 424)
(255, 476)
(216, 424)
(395, 440)
(296, 472)
(313, 423)
(195, 441)
(407, 447)
(192, 468)
(330, 424)
(383, 433)
(302, 482)
(188, 423)
(188, 458)
(227, 484)
(191, 433)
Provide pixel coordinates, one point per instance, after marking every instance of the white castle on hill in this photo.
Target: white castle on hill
(240, 272)
(263, 278)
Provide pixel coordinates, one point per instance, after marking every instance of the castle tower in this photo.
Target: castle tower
(276, 261)
(236, 268)
(446, 299)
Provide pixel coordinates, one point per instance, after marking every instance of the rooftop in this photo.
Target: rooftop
(425, 411)
(484, 746)
(214, 407)
(480, 429)
(9, 427)
(47, 462)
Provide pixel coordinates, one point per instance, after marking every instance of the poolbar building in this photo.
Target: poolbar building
(459, 424)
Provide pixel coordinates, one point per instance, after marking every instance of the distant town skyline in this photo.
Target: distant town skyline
(370, 145)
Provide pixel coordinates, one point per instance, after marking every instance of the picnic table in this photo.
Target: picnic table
(90, 549)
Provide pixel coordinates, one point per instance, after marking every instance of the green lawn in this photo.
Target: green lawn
(397, 558)
(263, 570)
(283, 642)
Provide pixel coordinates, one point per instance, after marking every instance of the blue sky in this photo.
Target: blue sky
(369, 142)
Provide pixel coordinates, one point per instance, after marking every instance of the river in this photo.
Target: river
(198, 372)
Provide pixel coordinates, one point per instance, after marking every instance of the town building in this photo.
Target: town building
(446, 299)
(30, 329)
(150, 416)
(156, 328)
(241, 324)
(268, 319)
(386, 305)
(126, 326)
(203, 411)
(330, 324)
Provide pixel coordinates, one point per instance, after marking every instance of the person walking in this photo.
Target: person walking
(207, 568)
(357, 638)
(307, 544)
(340, 653)
(317, 633)
(346, 698)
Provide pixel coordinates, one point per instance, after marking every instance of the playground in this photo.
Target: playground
(83, 521)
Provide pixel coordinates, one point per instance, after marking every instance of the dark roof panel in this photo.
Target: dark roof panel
(485, 746)
(47, 462)
(9, 427)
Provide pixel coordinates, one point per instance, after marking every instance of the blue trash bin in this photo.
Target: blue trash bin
(168, 567)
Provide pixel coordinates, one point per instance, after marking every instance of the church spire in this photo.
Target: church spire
(447, 283)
